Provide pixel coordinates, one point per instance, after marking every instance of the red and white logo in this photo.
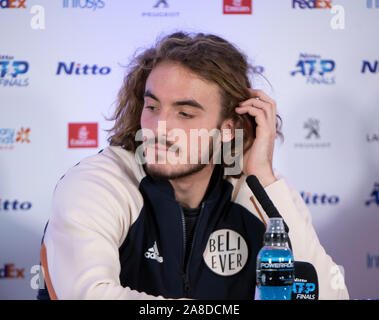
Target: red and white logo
(238, 6)
(82, 135)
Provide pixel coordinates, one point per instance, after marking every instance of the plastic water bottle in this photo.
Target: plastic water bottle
(275, 264)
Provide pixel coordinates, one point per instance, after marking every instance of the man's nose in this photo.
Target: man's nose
(162, 124)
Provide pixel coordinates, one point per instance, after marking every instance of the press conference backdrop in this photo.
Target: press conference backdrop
(62, 64)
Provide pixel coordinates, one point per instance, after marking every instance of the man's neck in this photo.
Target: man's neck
(190, 190)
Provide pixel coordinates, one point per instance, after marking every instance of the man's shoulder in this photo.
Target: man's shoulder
(99, 192)
(110, 165)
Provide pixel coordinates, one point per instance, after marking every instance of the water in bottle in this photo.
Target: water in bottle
(275, 264)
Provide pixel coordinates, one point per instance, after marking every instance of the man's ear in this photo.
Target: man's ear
(227, 130)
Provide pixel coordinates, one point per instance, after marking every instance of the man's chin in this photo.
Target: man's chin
(169, 172)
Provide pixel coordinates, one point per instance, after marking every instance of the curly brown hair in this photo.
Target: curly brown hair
(209, 56)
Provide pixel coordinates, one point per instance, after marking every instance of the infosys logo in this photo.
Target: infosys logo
(312, 4)
(9, 137)
(79, 69)
(84, 4)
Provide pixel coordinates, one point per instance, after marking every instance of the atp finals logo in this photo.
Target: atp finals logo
(13, 72)
(315, 69)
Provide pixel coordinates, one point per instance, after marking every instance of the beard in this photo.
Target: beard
(159, 173)
(172, 172)
(165, 171)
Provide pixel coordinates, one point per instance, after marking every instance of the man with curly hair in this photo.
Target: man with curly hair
(158, 215)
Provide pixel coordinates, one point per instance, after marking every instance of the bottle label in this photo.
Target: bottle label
(275, 271)
(276, 266)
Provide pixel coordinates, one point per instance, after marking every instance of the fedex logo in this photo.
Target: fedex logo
(312, 4)
(15, 4)
(9, 271)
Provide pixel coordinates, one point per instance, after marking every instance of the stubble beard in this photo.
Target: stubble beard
(159, 172)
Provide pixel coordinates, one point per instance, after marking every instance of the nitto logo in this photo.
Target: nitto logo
(372, 261)
(79, 69)
(370, 4)
(374, 196)
(15, 205)
(312, 4)
(9, 271)
(84, 4)
(12, 4)
(367, 66)
(317, 199)
(315, 69)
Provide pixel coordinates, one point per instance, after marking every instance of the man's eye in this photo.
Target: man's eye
(186, 115)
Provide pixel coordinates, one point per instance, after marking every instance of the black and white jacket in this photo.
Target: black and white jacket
(116, 233)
